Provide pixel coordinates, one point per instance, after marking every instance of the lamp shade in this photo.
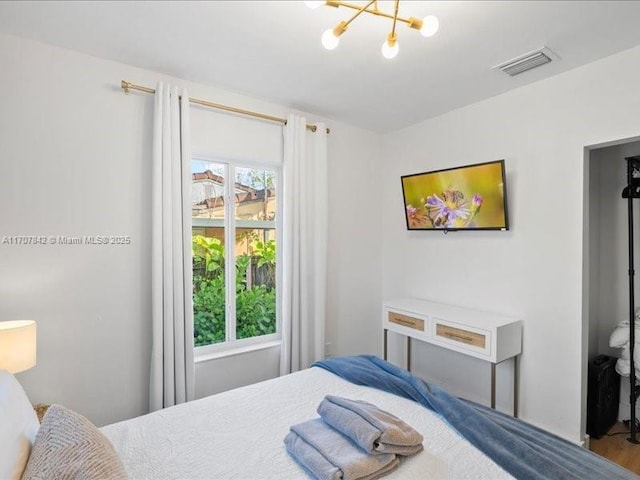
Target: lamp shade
(17, 345)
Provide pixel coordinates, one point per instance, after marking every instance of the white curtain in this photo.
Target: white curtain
(172, 367)
(304, 251)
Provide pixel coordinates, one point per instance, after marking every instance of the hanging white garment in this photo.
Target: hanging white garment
(620, 339)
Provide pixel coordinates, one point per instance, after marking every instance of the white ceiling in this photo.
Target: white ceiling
(272, 50)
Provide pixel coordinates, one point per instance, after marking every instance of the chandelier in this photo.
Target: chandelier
(428, 26)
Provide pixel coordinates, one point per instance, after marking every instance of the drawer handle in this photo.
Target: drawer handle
(402, 321)
(459, 337)
(406, 321)
(462, 336)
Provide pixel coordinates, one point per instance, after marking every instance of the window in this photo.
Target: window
(234, 240)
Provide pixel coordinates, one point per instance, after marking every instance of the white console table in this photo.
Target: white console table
(490, 337)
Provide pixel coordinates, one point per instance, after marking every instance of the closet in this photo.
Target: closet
(608, 304)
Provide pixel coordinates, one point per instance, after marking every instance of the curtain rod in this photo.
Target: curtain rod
(126, 86)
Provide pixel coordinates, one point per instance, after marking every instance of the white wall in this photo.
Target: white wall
(355, 249)
(534, 270)
(75, 160)
(593, 172)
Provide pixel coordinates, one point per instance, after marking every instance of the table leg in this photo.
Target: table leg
(384, 349)
(493, 385)
(408, 354)
(515, 386)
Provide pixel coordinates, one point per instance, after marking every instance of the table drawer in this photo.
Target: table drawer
(463, 336)
(406, 321)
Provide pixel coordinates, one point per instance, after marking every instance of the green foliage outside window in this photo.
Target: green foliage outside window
(255, 303)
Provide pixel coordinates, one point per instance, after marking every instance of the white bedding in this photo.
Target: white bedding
(239, 434)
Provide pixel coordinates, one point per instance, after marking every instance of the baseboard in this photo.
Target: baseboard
(586, 442)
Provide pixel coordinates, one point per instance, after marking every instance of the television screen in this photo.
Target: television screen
(472, 197)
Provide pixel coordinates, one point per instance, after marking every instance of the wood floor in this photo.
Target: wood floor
(617, 449)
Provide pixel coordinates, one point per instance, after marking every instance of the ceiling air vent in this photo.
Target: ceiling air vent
(526, 62)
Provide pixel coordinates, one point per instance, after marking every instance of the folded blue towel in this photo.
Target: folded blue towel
(328, 455)
(372, 429)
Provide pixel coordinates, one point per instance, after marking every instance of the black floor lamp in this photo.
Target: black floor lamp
(631, 191)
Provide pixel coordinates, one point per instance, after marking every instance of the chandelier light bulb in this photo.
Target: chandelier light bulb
(313, 4)
(390, 48)
(330, 40)
(430, 26)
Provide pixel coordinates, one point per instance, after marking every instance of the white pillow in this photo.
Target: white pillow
(19, 427)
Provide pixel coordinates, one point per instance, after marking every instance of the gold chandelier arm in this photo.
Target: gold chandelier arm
(411, 22)
(360, 10)
(395, 18)
(414, 23)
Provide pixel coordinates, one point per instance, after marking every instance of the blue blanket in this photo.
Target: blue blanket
(525, 451)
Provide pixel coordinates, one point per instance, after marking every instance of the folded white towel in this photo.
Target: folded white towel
(623, 367)
(619, 337)
(620, 334)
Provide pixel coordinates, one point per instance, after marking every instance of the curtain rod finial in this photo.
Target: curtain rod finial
(125, 86)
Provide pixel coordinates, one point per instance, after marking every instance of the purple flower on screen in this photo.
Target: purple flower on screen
(447, 213)
(452, 210)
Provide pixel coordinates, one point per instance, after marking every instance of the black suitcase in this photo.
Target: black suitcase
(603, 395)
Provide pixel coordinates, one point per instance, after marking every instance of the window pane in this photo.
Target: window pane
(255, 250)
(255, 194)
(207, 206)
(255, 283)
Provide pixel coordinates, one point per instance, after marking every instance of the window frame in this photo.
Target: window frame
(229, 223)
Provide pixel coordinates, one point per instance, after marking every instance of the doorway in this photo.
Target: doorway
(605, 273)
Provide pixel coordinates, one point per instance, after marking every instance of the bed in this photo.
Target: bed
(250, 437)
(239, 434)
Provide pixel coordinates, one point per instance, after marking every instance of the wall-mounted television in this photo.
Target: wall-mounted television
(471, 197)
